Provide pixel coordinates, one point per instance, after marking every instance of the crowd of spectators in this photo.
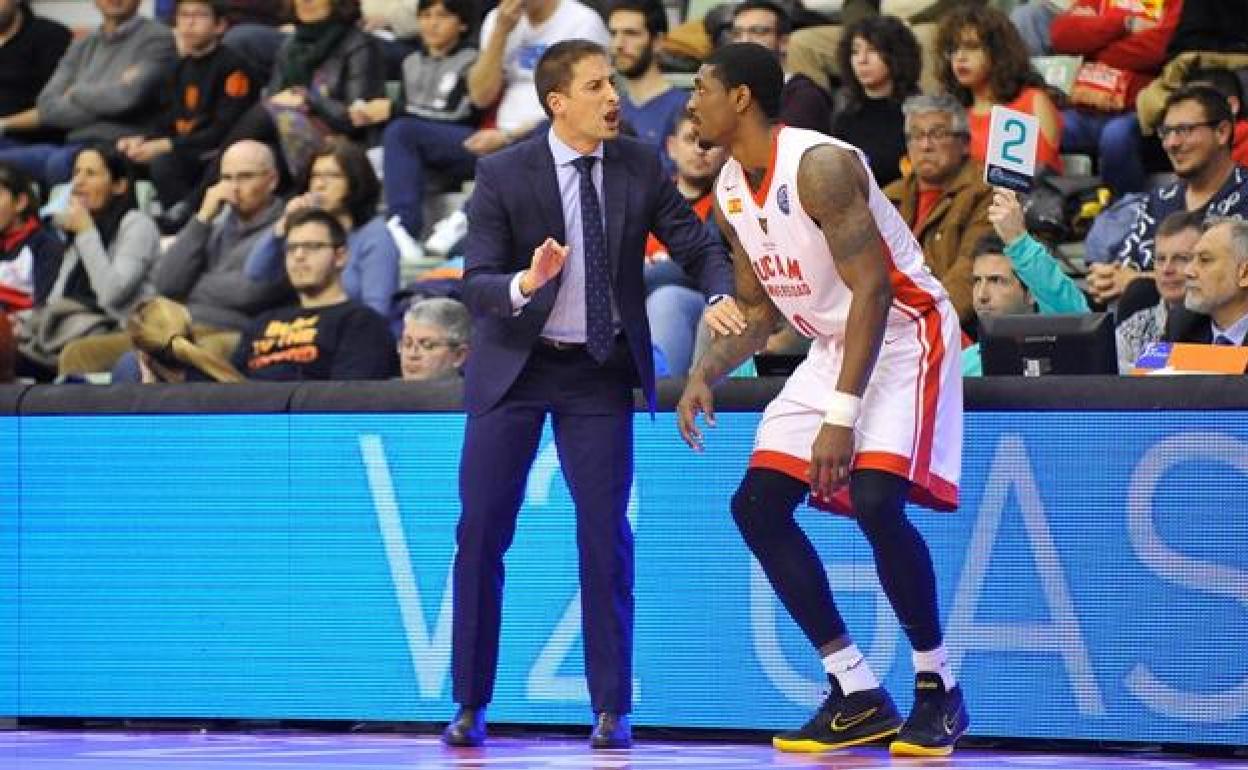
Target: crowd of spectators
(246, 188)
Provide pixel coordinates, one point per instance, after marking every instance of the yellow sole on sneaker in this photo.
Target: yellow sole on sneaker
(807, 746)
(903, 749)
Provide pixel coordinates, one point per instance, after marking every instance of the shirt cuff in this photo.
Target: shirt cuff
(518, 300)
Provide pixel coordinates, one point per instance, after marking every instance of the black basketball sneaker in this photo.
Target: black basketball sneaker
(843, 721)
(936, 722)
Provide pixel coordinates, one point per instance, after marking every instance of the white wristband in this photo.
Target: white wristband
(842, 409)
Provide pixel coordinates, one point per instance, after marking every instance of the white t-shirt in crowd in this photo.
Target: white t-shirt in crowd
(525, 45)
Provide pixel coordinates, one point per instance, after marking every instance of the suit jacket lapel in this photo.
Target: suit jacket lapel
(546, 189)
(615, 180)
(549, 204)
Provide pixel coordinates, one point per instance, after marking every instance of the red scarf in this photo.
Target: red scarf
(16, 235)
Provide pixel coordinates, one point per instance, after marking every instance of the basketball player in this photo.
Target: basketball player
(873, 416)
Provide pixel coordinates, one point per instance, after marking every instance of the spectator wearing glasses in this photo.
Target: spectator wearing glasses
(203, 267)
(434, 344)
(1217, 284)
(803, 103)
(944, 200)
(984, 63)
(1196, 132)
(341, 181)
(327, 335)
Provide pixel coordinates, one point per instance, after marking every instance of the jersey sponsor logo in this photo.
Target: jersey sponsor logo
(762, 222)
(782, 199)
(734, 205)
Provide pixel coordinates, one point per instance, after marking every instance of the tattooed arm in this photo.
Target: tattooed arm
(727, 351)
(833, 188)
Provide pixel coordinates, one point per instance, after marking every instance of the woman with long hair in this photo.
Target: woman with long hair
(984, 62)
(160, 330)
(112, 246)
(340, 180)
(882, 60)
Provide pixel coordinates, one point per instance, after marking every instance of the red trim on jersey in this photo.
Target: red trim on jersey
(760, 195)
(935, 493)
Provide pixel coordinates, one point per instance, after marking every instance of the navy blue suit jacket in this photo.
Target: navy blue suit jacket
(516, 205)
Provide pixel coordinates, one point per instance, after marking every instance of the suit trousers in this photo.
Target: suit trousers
(591, 407)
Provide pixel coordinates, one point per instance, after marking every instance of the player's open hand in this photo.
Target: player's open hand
(831, 459)
(725, 318)
(697, 399)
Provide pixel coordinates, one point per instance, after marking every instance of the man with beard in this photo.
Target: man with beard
(1196, 132)
(30, 49)
(1217, 283)
(870, 419)
(327, 336)
(648, 102)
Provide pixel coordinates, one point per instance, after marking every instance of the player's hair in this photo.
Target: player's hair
(753, 66)
(161, 329)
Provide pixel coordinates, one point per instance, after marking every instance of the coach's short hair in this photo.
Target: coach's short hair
(554, 69)
(753, 66)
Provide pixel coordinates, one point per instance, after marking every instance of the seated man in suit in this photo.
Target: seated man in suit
(553, 280)
(1217, 283)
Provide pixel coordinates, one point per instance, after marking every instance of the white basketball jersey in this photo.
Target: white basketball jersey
(790, 255)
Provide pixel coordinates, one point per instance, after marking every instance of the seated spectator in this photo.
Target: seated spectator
(30, 255)
(255, 32)
(984, 63)
(436, 117)
(803, 103)
(105, 269)
(1014, 274)
(396, 25)
(1217, 284)
(327, 335)
(160, 331)
(944, 200)
(1176, 237)
(31, 47)
(674, 303)
(8, 351)
(202, 97)
(203, 267)
(328, 65)
(1196, 133)
(434, 344)
(103, 89)
(341, 182)
(882, 60)
(1123, 49)
(1033, 20)
(649, 104)
(812, 51)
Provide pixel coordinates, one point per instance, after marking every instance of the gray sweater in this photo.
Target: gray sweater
(119, 275)
(203, 268)
(106, 87)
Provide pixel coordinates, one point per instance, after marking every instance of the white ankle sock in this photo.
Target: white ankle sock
(935, 662)
(851, 670)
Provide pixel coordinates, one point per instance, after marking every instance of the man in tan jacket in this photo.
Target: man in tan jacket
(944, 199)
